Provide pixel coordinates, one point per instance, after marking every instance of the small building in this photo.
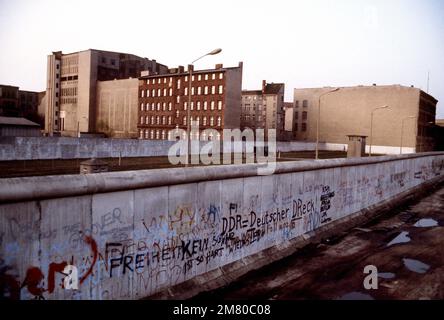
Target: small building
(18, 127)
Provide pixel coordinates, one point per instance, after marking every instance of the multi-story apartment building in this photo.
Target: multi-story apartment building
(264, 109)
(215, 101)
(19, 103)
(410, 114)
(71, 89)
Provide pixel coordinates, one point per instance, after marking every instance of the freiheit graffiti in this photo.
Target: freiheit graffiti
(131, 244)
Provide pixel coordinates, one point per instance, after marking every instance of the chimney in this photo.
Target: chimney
(181, 69)
(264, 84)
(219, 66)
(190, 67)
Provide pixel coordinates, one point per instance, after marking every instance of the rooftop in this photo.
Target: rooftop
(11, 121)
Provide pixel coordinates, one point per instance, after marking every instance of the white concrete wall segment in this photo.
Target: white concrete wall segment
(134, 234)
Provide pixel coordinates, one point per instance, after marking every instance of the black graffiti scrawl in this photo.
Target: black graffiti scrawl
(326, 197)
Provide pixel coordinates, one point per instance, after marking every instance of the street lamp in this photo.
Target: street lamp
(190, 69)
(371, 127)
(402, 130)
(319, 119)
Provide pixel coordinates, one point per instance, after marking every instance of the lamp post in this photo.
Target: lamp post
(371, 127)
(402, 130)
(190, 77)
(319, 119)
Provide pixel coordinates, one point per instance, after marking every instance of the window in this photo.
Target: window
(157, 120)
(157, 134)
(221, 75)
(186, 91)
(163, 134)
(205, 105)
(164, 80)
(177, 113)
(153, 92)
(147, 81)
(164, 106)
(211, 121)
(304, 127)
(140, 134)
(206, 77)
(147, 120)
(198, 105)
(221, 89)
(159, 92)
(152, 119)
(296, 127)
(171, 92)
(178, 83)
(186, 78)
(199, 90)
(163, 120)
(305, 103)
(212, 105)
(204, 120)
(198, 120)
(141, 107)
(304, 115)
(184, 121)
(219, 105)
(147, 92)
(185, 105)
(141, 120)
(296, 115)
(169, 120)
(199, 77)
(152, 134)
(206, 90)
(158, 106)
(170, 106)
(219, 121)
(213, 76)
(146, 134)
(177, 99)
(192, 91)
(213, 89)
(192, 78)
(165, 91)
(192, 105)
(113, 62)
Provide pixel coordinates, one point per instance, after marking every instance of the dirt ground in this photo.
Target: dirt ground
(23, 168)
(410, 267)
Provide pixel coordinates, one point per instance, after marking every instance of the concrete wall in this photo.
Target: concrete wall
(133, 234)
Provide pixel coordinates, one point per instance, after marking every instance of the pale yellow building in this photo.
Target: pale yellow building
(410, 114)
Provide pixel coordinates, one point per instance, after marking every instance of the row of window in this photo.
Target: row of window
(194, 90)
(199, 77)
(164, 106)
(304, 103)
(304, 115)
(163, 134)
(303, 127)
(164, 120)
(247, 117)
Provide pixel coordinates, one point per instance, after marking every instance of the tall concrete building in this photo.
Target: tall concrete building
(19, 103)
(117, 102)
(215, 101)
(411, 115)
(264, 109)
(71, 88)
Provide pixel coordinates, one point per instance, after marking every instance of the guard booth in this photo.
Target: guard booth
(356, 146)
(93, 166)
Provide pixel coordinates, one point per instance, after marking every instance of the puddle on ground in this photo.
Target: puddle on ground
(416, 265)
(426, 223)
(386, 275)
(355, 295)
(403, 237)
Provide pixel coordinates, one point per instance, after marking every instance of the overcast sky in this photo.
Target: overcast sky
(303, 43)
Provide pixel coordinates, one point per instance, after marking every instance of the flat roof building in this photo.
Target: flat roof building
(348, 111)
(71, 88)
(215, 102)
